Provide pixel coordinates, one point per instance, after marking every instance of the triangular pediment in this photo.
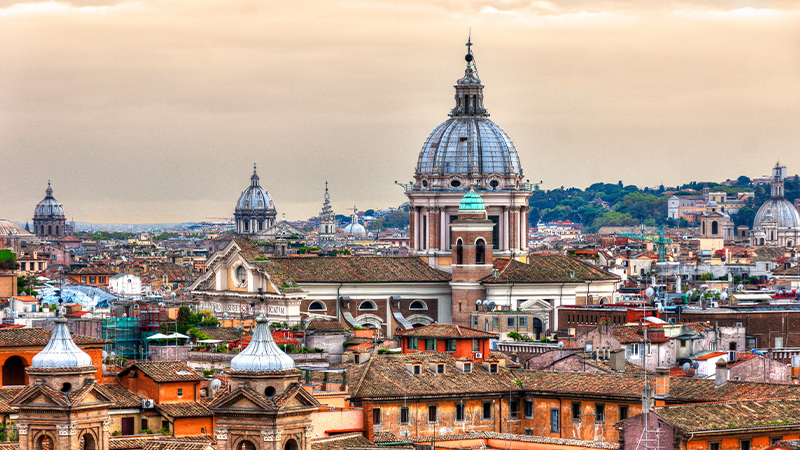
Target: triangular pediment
(41, 399)
(295, 397)
(243, 398)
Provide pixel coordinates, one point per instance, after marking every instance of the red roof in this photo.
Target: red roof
(364, 346)
(709, 356)
(76, 314)
(446, 330)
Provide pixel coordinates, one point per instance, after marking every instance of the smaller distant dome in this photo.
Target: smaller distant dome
(354, 227)
(255, 197)
(712, 204)
(262, 353)
(61, 352)
(49, 207)
(471, 201)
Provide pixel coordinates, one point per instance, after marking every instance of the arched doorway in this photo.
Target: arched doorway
(44, 442)
(246, 445)
(14, 372)
(291, 444)
(88, 442)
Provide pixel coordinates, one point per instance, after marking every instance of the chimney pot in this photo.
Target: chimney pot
(722, 373)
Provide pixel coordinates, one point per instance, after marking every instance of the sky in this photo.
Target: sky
(156, 110)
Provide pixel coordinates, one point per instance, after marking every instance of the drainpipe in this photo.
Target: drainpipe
(338, 301)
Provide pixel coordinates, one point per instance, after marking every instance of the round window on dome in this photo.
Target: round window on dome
(494, 184)
(424, 183)
(455, 184)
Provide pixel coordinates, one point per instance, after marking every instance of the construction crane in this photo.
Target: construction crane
(659, 240)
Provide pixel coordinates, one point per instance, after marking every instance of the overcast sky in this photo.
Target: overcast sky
(155, 111)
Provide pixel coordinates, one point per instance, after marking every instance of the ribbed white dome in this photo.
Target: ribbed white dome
(262, 354)
(255, 197)
(781, 210)
(61, 352)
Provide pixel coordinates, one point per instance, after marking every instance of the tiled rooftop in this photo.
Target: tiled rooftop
(547, 269)
(184, 409)
(486, 435)
(33, 337)
(353, 270)
(732, 415)
(446, 331)
(165, 371)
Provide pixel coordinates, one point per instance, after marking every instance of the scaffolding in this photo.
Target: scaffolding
(125, 337)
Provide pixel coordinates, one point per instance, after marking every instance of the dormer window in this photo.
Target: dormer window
(467, 367)
(417, 369)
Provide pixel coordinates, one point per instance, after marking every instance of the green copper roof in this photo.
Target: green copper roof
(471, 202)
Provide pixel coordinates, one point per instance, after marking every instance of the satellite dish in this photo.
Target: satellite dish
(224, 315)
(696, 366)
(478, 302)
(686, 367)
(649, 292)
(724, 296)
(560, 344)
(740, 287)
(491, 306)
(215, 384)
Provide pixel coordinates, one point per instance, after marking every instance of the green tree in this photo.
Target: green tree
(613, 219)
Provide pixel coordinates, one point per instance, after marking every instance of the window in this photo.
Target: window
(623, 412)
(599, 413)
(459, 253)
(403, 415)
(523, 322)
(459, 412)
(775, 439)
(778, 342)
(102, 280)
(317, 306)
(495, 322)
(745, 444)
(440, 368)
(511, 322)
(492, 368)
(487, 410)
(92, 280)
(474, 321)
(713, 446)
(367, 306)
(413, 344)
(417, 304)
(430, 344)
(476, 345)
(529, 409)
(165, 424)
(180, 392)
(145, 425)
(480, 252)
(376, 416)
(432, 414)
(514, 408)
(22, 265)
(528, 432)
(634, 349)
(416, 369)
(576, 411)
(451, 345)
(555, 420)
(682, 342)
(357, 359)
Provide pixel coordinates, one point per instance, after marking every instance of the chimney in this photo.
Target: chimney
(722, 373)
(369, 432)
(617, 360)
(662, 385)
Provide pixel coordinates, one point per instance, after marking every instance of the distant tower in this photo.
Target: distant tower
(472, 255)
(255, 211)
(48, 218)
(327, 222)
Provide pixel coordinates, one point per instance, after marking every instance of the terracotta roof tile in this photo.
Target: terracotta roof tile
(32, 337)
(446, 331)
(165, 371)
(353, 270)
(6, 394)
(192, 409)
(547, 269)
(731, 415)
(125, 398)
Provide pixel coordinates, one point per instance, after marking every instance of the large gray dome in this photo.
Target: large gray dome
(262, 354)
(781, 210)
(49, 207)
(468, 145)
(255, 197)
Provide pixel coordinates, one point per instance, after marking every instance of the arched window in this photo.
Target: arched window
(56, 229)
(317, 306)
(367, 306)
(418, 304)
(14, 372)
(246, 225)
(480, 252)
(704, 228)
(291, 444)
(49, 229)
(536, 324)
(459, 252)
(762, 241)
(714, 227)
(241, 275)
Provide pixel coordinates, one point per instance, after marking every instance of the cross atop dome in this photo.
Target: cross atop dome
(469, 90)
